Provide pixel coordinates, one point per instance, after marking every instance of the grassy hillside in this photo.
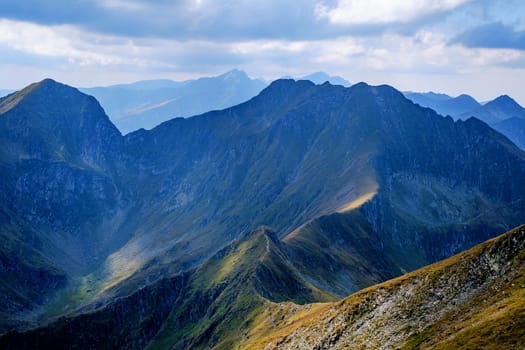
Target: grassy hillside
(473, 300)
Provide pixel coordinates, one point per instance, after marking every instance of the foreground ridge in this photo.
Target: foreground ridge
(472, 300)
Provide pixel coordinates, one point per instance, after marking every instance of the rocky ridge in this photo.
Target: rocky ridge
(472, 300)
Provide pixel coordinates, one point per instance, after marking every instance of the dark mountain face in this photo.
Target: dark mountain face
(395, 185)
(61, 204)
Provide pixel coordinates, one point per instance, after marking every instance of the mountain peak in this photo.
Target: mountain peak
(50, 84)
(13, 100)
(234, 74)
(287, 86)
(48, 116)
(504, 99)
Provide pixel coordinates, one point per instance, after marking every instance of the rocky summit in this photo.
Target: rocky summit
(191, 234)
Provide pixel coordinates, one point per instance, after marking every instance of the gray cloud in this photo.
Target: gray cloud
(174, 19)
(202, 19)
(493, 35)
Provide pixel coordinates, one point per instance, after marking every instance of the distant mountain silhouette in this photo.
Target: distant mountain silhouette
(503, 113)
(146, 104)
(321, 77)
(514, 129)
(497, 110)
(444, 104)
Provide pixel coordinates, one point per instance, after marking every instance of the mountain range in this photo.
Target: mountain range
(184, 233)
(146, 104)
(473, 300)
(321, 78)
(503, 113)
(443, 103)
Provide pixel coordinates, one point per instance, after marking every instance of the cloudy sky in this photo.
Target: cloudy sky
(452, 46)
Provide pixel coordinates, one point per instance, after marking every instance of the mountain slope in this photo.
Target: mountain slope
(360, 136)
(472, 300)
(207, 307)
(340, 253)
(396, 185)
(59, 196)
(146, 104)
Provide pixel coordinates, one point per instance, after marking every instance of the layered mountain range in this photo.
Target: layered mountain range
(182, 234)
(503, 113)
(146, 104)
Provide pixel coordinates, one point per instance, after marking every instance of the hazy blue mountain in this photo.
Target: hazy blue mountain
(142, 85)
(321, 77)
(146, 104)
(503, 113)
(358, 185)
(514, 129)
(444, 104)
(497, 110)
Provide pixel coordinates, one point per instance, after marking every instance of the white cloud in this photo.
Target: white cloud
(362, 12)
(72, 45)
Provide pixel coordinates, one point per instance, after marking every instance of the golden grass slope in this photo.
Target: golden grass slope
(473, 300)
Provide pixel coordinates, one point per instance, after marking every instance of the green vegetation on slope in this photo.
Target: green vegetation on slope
(472, 300)
(228, 292)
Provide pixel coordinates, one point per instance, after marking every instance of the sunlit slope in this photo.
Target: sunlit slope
(213, 306)
(475, 299)
(341, 253)
(298, 152)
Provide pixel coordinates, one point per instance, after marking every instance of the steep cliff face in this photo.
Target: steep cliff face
(61, 201)
(472, 300)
